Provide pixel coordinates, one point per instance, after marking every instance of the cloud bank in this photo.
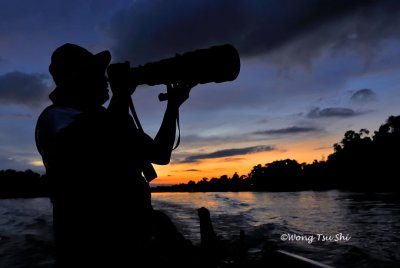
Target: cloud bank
(23, 89)
(332, 112)
(363, 95)
(149, 30)
(288, 130)
(228, 153)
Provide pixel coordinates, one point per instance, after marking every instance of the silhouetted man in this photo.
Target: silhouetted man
(95, 156)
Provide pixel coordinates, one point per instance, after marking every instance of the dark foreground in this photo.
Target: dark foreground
(219, 253)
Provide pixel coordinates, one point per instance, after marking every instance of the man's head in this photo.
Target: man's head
(79, 75)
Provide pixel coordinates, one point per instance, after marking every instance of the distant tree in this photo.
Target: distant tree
(386, 148)
(20, 184)
(191, 185)
(277, 176)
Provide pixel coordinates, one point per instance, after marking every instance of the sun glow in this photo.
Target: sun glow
(176, 173)
(36, 163)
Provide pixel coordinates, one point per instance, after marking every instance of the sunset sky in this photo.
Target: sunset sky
(310, 70)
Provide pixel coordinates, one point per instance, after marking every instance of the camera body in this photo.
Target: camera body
(214, 64)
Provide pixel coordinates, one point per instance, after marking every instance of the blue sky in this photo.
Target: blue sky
(310, 70)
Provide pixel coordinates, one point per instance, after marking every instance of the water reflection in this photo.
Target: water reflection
(372, 221)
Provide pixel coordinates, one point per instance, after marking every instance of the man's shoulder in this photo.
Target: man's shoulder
(53, 110)
(57, 117)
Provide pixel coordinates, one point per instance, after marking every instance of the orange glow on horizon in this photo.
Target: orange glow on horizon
(176, 173)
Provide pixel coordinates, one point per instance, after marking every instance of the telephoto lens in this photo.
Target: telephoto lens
(214, 64)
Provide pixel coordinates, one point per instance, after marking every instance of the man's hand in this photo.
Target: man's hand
(120, 79)
(178, 93)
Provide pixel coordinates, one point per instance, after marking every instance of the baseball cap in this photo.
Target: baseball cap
(69, 60)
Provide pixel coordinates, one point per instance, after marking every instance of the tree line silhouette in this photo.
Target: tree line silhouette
(22, 184)
(360, 162)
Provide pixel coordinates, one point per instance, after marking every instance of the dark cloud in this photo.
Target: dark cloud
(228, 153)
(149, 30)
(233, 159)
(288, 130)
(363, 95)
(360, 30)
(23, 89)
(332, 112)
(192, 170)
(322, 148)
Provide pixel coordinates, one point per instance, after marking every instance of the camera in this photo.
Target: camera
(217, 64)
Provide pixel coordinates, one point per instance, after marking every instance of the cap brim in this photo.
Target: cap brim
(102, 59)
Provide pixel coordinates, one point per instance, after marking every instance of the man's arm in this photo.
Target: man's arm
(159, 150)
(164, 141)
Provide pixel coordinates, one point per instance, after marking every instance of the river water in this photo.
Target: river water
(341, 229)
